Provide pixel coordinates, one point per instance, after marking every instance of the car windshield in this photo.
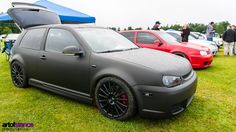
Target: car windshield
(105, 40)
(191, 37)
(167, 37)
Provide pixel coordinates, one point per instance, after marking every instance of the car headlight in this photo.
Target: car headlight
(171, 81)
(203, 53)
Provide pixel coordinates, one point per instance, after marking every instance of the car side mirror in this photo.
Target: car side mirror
(158, 42)
(72, 50)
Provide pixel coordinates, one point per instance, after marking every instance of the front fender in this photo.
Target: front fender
(111, 72)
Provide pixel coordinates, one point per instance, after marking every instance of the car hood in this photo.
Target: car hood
(165, 63)
(209, 45)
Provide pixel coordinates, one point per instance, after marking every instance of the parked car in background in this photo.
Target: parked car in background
(211, 45)
(3, 35)
(199, 56)
(12, 37)
(217, 40)
(98, 66)
(8, 43)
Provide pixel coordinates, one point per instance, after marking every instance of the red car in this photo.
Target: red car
(199, 56)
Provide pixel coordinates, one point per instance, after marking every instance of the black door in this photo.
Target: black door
(29, 49)
(56, 68)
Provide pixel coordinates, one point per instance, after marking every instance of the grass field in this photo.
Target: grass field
(212, 109)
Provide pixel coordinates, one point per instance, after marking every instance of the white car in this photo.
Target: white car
(211, 45)
(218, 41)
(12, 37)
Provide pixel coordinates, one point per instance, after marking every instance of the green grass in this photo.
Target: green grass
(212, 109)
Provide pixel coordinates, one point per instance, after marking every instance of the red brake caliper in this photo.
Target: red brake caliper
(123, 99)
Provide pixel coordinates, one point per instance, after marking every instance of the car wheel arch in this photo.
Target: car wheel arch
(17, 58)
(179, 53)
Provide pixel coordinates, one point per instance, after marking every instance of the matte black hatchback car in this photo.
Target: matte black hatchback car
(98, 65)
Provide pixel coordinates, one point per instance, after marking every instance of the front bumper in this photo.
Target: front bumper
(199, 61)
(162, 102)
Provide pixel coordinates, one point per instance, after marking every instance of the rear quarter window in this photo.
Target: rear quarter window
(33, 39)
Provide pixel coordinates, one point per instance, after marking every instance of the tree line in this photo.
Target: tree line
(6, 28)
(220, 27)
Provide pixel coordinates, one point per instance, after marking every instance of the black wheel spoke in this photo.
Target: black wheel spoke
(106, 88)
(108, 108)
(116, 90)
(112, 111)
(103, 91)
(122, 99)
(109, 86)
(117, 111)
(104, 105)
(103, 100)
(120, 108)
(120, 104)
(103, 96)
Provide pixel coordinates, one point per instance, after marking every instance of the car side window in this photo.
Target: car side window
(129, 35)
(58, 39)
(146, 38)
(33, 39)
(178, 37)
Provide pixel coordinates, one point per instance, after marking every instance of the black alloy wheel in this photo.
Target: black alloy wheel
(114, 99)
(18, 75)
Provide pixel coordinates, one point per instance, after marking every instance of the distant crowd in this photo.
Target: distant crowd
(229, 36)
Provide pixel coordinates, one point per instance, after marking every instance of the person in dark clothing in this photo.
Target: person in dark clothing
(233, 27)
(229, 37)
(156, 26)
(185, 33)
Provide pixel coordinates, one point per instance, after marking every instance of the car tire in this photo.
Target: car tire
(114, 99)
(18, 75)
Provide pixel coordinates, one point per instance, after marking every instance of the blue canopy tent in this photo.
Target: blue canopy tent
(5, 17)
(66, 15)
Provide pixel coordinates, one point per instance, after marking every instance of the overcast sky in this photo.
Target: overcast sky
(143, 13)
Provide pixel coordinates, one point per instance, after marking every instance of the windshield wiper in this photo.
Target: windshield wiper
(109, 51)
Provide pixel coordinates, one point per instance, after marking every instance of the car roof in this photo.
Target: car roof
(66, 26)
(140, 31)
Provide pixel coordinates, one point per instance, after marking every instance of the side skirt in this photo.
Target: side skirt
(62, 91)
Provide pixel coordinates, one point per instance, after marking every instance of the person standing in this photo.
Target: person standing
(2, 42)
(233, 27)
(156, 26)
(185, 33)
(210, 31)
(229, 38)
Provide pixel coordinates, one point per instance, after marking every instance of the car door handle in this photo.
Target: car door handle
(43, 57)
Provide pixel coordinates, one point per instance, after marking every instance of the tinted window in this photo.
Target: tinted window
(33, 39)
(128, 35)
(146, 38)
(58, 39)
